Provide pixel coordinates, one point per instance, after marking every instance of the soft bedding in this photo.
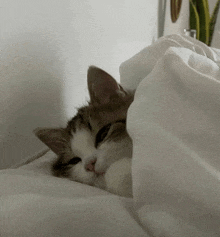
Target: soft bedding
(175, 127)
(34, 203)
(174, 123)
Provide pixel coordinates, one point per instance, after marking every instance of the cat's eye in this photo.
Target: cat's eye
(74, 161)
(102, 133)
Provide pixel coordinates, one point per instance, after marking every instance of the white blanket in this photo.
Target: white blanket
(174, 122)
(34, 203)
(175, 126)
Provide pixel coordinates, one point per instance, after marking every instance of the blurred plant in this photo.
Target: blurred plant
(213, 21)
(201, 21)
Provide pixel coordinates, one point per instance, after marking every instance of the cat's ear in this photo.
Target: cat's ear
(57, 139)
(102, 86)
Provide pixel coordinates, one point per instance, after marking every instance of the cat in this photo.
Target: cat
(95, 148)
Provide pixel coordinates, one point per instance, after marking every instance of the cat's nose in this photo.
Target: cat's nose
(90, 166)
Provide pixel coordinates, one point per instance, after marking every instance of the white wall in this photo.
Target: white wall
(46, 47)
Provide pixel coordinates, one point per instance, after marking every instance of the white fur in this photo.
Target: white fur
(118, 178)
(117, 170)
(83, 143)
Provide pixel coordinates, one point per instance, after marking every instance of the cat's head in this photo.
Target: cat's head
(96, 136)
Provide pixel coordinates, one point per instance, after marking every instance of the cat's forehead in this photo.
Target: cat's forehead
(108, 113)
(79, 121)
(91, 117)
(95, 116)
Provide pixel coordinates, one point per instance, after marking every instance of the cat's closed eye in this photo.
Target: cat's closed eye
(74, 161)
(101, 135)
(117, 128)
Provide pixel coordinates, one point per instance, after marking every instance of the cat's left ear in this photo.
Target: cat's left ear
(102, 86)
(57, 139)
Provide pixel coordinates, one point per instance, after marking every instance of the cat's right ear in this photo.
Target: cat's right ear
(57, 139)
(102, 86)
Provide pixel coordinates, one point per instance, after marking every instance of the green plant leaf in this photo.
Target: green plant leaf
(194, 19)
(203, 11)
(213, 21)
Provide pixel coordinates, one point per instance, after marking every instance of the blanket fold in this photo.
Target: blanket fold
(174, 123)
